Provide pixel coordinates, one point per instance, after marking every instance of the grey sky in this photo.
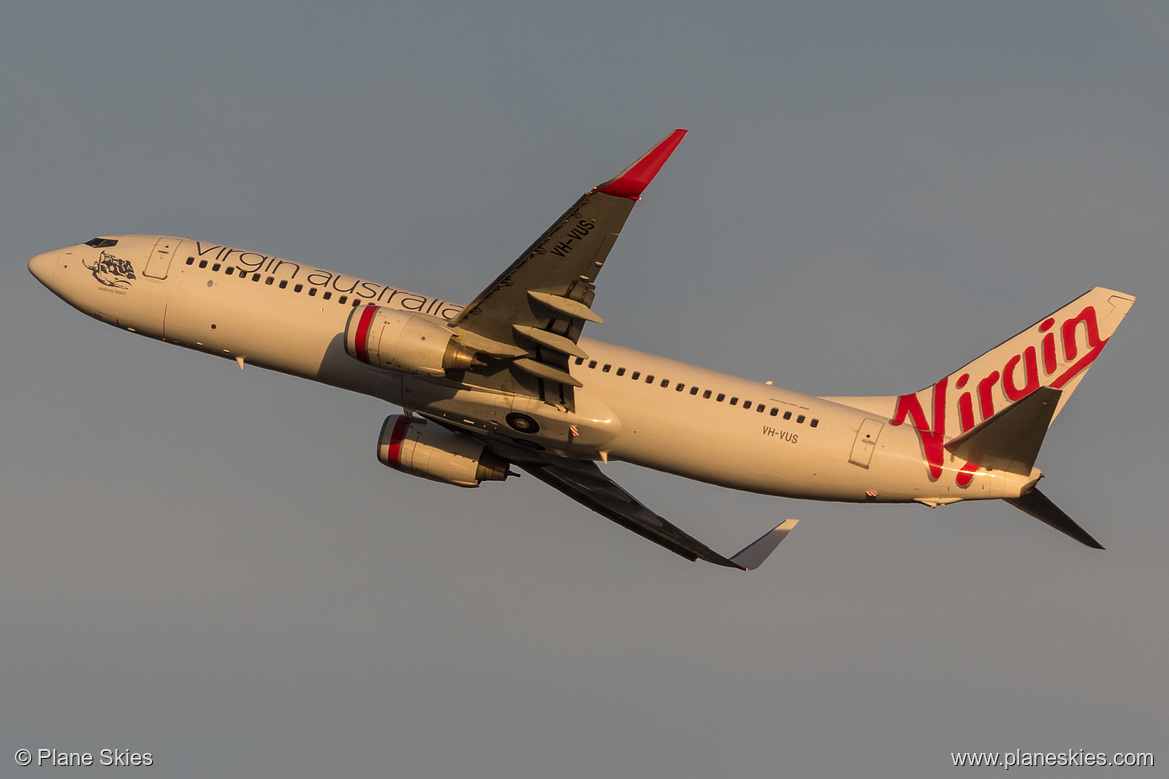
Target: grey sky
(210, 565)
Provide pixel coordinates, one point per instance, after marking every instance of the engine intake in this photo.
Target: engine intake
(414, 446)
(406, 342)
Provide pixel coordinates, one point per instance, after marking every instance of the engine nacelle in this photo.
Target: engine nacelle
(423, 449)
(403, 341)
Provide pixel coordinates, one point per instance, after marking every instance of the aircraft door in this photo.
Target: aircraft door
(158, 264)
(866, 442)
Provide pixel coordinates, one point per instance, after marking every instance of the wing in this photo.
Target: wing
(583, 482)
(527, 322)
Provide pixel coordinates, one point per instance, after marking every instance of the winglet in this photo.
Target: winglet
(632, 181)
(755, 553)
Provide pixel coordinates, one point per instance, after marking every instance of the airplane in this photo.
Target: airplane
(508, 381)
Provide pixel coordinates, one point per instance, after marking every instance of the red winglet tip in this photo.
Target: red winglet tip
(632, 181)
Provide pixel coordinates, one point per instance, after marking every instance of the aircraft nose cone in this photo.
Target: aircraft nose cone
(43, 265)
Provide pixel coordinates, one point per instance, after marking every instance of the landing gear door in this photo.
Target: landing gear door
(866, 442)
(160, 257)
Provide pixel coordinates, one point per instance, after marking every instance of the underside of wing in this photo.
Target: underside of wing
(526, 324)
(584, 483)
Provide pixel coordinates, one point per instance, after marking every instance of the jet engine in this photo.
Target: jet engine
(414, 446)
(406, 342)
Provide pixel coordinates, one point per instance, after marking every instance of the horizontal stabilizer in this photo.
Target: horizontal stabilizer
(1010, 440)
(755, 553)
(1040, 506)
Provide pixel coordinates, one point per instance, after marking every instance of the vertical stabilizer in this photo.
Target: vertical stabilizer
(1055, 352)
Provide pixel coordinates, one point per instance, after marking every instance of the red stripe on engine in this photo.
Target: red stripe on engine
(394, 450)
(361, 337)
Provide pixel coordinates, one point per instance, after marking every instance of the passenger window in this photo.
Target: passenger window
(721, 397)
(814, 422)
(312, 291)
(760, 408)
(215, 267)
(190, 260)
(620, 371)
(636, 375)
(606, 368)
(230, 271)
(665, 382)
(298, 288)
(202, 263)
(706, 394)
(746, 404)
(256, 277)
(580, 361)
(680, 387)
(734, 401)
(649, 379)
(268, 281)
(592, 363)
(283, 283)
(327, 295)
(787, 415)
(342, 300)
(800, 419)
(774, 411)
(694, 390)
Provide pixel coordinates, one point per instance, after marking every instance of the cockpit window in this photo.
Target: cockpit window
(102, 243)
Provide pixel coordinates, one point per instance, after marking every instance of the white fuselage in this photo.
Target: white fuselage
(701, 424)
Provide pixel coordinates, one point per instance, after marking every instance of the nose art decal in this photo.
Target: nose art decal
(111, 271)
